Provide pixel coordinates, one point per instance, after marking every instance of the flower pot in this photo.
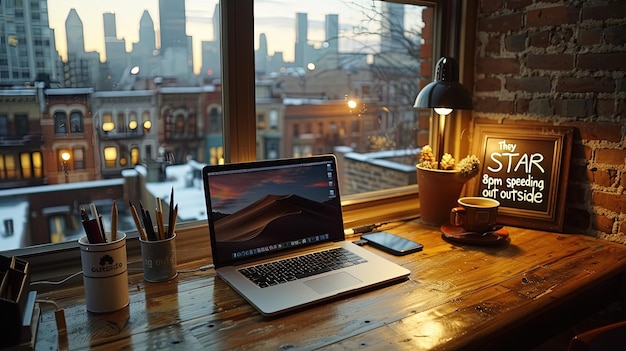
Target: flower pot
(438, 193)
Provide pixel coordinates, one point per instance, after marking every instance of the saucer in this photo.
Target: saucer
(451, 233)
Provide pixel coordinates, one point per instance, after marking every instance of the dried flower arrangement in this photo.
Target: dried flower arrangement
(468, 166)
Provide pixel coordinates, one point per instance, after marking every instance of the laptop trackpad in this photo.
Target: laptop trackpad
(332, 282)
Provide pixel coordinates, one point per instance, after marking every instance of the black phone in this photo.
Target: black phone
(392, 243)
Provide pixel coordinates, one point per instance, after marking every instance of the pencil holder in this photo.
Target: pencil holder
(105, 274)
(159, 259)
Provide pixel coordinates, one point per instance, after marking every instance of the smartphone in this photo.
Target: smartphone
(392, 243)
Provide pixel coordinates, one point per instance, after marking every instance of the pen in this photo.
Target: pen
(114, 221)
(133, 212)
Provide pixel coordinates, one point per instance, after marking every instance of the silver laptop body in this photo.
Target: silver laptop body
(265, 211)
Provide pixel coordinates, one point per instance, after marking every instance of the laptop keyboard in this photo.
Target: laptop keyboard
(293, 268)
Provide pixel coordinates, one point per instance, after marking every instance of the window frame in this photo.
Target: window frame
(238, 116)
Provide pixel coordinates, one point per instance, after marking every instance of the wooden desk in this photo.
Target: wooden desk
(457, 297)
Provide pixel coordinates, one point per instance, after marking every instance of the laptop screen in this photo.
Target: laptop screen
(262, 207)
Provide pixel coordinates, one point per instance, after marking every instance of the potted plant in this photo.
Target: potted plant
(439, 178)
(440, 184)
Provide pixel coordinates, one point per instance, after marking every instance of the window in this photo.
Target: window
(60, 123)
(314, 63)
(121, 122)
(21, 125)
(273, 119)
(134, 155)
(107, 122)
(79, 158)
(4, 126)
(215, 120)
(146, 121)
(37, 164)
(8, 166)
(76, 122)
(110, 157)
(341, 74)
(132, 121)
(27, 167)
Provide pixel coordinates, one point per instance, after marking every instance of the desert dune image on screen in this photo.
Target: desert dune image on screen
(256, 208)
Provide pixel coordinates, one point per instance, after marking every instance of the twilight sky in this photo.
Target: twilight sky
(275, 18)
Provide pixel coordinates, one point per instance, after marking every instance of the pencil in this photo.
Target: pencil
(159, 218)
(147, 222)
(114, 221)
(170, 227)
(98, 217)
(173, 221)
(133, 212)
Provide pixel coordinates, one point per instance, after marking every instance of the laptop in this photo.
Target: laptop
(277, 235)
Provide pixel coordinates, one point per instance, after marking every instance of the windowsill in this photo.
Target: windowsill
(57, 261)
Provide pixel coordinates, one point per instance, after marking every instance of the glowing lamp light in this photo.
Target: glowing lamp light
(108, 126)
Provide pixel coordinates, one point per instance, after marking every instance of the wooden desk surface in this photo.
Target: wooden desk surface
(457, 297)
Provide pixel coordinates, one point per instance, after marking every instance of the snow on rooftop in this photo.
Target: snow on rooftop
(68, 91)
(15, 209)
(188, 190)
(18, 92)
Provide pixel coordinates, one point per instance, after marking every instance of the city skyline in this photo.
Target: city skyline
(280, 30)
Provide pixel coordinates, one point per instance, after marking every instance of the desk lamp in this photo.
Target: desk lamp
(444, 94)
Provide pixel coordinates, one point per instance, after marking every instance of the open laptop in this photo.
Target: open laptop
(286, 210)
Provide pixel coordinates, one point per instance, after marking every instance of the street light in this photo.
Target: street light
(65, 156)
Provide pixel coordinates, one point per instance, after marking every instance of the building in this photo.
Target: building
(81, 69)
(115, 49)
(21, 138)
(175, 46)
(68, 136)
(126, 129)
(25, 54)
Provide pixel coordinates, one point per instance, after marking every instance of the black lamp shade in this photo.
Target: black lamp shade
(445, 90)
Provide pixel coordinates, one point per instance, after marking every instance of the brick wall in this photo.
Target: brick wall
(373, 171)
(563, 62)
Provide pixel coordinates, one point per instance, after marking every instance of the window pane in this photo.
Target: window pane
(76, 122)
(21, 125)
(60, 122)
(79, 158)
(37, 164)
(345, 76)
(10, 166)
(145, 63)
(4, 125)
(26, 165)
(110, 157)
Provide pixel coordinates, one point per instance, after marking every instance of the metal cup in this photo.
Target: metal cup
(159, 259)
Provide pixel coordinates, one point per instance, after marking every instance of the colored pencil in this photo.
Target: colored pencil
(159, 218)
(133, 212)
(170, 219)
(114, 221)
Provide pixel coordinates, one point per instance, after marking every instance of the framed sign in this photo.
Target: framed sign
(526, 168)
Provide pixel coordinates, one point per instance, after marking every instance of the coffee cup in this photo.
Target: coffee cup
(475, 213)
